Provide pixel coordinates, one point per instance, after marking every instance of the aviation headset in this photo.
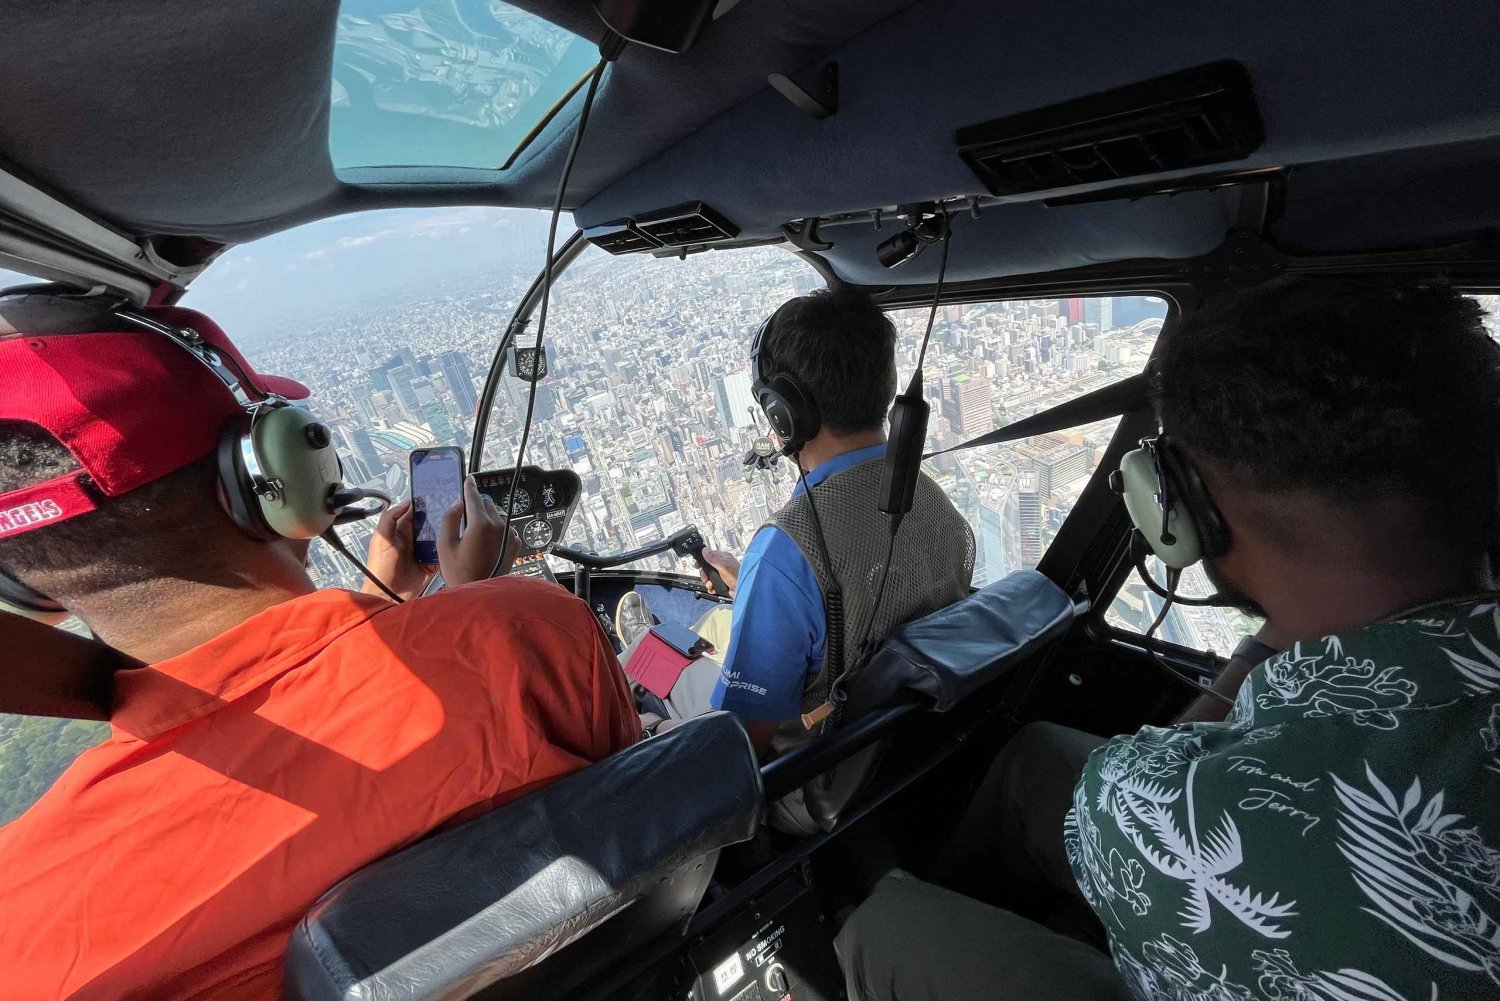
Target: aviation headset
(278, 471)
(1169, 504)
(787, 404)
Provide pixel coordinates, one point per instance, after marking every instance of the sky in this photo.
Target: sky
(363, 257)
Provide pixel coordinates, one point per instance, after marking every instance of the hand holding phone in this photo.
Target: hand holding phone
(437, 479)
(472, 544)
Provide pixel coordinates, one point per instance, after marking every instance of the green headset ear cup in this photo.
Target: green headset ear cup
(1140, 488)
(293, 447)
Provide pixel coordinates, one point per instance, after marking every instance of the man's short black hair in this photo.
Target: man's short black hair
(842, 347)
(1351, 387)
(169, 528)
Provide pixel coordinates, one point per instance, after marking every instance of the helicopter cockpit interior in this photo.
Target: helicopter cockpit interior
(1057, 185)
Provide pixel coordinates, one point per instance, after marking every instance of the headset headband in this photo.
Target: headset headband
(757, 344)
(192, 342)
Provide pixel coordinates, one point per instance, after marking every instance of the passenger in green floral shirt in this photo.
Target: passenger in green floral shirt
(1337, 836)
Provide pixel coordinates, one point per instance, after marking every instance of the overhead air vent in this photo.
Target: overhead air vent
(1191, 118)
(620, 238)
(687, 226)
(691, 225)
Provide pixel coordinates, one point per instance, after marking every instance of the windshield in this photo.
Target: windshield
(445, 83)
(649, 401)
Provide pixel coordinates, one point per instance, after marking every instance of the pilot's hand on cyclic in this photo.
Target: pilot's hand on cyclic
(728, 567)
(471, 538)
(391, 558)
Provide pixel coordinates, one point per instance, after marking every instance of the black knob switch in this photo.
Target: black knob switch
(317, 435)
(776, 979)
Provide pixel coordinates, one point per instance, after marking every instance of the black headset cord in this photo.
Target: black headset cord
(1159, 660)
(333, 539)
(833, 601)
(608, 52)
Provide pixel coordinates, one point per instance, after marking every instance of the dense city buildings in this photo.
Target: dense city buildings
(648, 400)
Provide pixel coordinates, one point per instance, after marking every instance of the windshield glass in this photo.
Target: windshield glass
(455, 83)
(649, 400)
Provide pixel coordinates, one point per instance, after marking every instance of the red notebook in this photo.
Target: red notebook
(655, 666)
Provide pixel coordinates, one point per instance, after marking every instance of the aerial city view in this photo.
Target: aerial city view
(647, 397)
(648, 400)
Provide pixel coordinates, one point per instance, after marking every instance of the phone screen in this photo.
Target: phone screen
(437, 483)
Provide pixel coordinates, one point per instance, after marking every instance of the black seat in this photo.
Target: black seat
(942, 659)
(630, 841)
(955, 651)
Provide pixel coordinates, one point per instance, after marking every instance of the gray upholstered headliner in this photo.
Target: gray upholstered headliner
(210, 119)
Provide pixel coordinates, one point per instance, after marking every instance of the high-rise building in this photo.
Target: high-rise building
(365, 406)
(1100, 311)
(969, 405)
(1073, 309)
(1029, 519)
(806, 282)
(455, 369)
(354, 469)
(1058, 466)
(380, 374)
(546, 402)
(733, 399)
(358, 443)
(403, 385)
(437, 420)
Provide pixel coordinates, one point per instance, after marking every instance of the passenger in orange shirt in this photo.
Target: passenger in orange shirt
(281, 737)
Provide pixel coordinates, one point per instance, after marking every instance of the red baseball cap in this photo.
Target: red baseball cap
(132, 406)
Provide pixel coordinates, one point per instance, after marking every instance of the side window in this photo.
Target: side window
(996, 362)
(1210, 630)
(391, 319)
(648, 397)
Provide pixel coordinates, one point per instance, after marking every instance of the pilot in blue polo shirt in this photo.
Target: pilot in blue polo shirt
(824, 373)
(824, 370)
(778, 634)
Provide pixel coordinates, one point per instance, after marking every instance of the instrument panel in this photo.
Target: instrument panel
(544, 505)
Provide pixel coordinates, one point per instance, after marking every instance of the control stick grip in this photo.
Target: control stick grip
(689, 542)
(720, 588)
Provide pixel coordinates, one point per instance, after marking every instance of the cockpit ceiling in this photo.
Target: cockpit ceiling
(168, 117)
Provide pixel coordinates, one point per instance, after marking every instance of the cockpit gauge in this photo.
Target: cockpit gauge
(527, 364)
(537, 534)
(544, 505)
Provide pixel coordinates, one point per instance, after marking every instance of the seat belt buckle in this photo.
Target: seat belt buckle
(816, 716)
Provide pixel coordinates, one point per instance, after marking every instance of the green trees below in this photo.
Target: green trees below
(34, 751)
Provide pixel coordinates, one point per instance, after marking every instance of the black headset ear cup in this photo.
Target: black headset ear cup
(1187, 486)
(792, 413)
(234, 480)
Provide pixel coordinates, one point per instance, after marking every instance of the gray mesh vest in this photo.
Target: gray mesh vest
(931, 567)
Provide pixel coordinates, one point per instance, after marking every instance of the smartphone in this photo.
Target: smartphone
(437, 483)
(682, 639)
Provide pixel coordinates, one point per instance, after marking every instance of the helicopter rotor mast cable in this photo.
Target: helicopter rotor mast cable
(608, 53)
